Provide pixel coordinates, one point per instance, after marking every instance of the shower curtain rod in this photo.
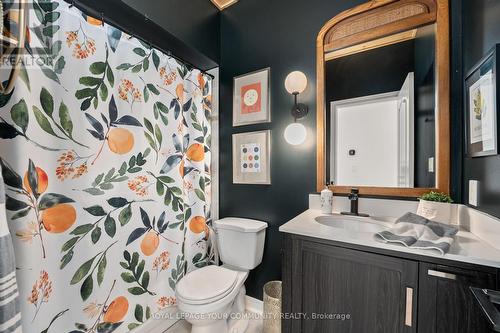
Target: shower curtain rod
(100, 15)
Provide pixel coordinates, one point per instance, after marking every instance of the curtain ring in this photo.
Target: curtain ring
(102, 19)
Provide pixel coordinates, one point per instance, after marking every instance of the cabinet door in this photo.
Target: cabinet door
(446, 305)
(379, 293)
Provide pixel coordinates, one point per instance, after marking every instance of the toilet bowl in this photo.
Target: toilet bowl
(208, 307)
(212, 298)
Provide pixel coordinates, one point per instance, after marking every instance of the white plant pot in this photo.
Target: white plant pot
(435, 211)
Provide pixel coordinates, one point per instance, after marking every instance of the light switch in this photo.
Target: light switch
(473, 184)
(431, 164)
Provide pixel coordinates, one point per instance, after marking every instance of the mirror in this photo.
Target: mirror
(380, 113)
(383, 99)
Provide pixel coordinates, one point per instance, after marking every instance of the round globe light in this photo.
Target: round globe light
(296, 82)
(295, 134)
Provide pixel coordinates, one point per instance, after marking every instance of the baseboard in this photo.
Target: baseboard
(254, 305)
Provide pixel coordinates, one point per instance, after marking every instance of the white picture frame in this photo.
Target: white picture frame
(252, 158)
(251, 98)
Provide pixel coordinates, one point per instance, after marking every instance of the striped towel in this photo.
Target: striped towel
(10, 312)
(417, 232)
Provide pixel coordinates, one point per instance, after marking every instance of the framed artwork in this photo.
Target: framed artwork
(252, 158)
(251, 98)
(481, 105)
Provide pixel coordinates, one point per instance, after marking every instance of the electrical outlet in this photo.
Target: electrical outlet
(431, 164)
(473, 192)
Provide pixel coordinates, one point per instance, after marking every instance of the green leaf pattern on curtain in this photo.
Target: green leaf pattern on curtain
(105, 153)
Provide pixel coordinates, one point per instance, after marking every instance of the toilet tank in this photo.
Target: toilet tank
(240, 242)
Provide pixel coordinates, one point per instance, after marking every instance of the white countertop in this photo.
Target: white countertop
(467, 247)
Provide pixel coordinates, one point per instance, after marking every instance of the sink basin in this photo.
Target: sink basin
(357, 224)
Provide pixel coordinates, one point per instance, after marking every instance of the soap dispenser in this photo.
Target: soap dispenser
(327, 200)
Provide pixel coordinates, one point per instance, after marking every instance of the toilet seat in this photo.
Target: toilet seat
(206, 285)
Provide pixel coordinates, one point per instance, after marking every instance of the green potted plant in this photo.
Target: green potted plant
(435, 206)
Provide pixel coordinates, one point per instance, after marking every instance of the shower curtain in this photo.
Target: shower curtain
(105, 155)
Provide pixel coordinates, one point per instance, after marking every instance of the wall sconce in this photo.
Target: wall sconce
(295, 133)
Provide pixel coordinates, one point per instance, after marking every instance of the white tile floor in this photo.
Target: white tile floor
(254, 326)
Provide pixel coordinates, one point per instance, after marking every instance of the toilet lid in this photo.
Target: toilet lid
(206, 284)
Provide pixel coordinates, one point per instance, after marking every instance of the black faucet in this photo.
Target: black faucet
(354, 197)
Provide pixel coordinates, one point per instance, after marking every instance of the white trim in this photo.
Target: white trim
(215, 144)
(406, 132)
(254, 305)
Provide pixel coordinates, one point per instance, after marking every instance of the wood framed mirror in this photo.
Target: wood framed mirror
(356, 38)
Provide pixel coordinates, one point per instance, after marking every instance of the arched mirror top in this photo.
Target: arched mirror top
(373, 25)
(382, 18)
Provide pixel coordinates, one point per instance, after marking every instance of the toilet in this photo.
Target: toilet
(212, 298)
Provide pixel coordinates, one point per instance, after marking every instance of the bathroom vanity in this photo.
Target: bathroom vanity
(383, 129)
(340, 270)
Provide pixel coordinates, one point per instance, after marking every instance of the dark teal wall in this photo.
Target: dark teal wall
(196, 22)
(187, 29)
(481, 31)
(282, 35)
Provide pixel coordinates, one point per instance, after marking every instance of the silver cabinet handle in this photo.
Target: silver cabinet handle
(443, 275)
(409, 307)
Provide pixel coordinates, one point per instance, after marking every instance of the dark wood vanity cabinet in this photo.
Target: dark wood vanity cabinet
(377, 292)
(446, 304)
(382, 293)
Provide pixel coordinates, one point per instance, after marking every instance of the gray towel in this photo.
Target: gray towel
(10, 311)
(417, 232)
